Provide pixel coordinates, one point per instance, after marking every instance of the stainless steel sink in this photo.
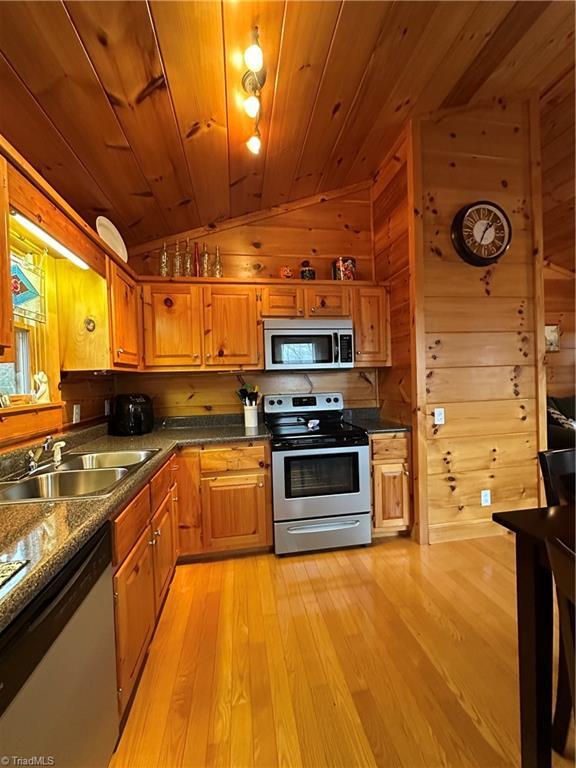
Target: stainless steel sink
(63, 485)
(105, 459)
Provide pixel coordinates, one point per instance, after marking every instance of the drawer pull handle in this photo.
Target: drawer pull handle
(152, 542)
(157, 533)
(323, 527)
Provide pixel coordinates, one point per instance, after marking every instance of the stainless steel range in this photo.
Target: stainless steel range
(320, 474)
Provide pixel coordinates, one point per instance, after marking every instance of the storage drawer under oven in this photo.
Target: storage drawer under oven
(326, 533)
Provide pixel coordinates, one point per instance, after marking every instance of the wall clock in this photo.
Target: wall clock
(481, 233)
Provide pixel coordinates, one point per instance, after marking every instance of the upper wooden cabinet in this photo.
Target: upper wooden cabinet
(327, 301)
(371, 326)
(172, 325)
(282, 301)
(6, 314)
(232, 331)
(124, 312)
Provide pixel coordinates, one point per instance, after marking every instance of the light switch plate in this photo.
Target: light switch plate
(438, 416)
(106, 407)
(485, 498)
(75, 413)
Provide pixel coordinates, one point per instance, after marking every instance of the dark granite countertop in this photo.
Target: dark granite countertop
(48, 534)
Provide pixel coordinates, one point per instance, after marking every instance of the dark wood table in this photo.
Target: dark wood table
(534, 590)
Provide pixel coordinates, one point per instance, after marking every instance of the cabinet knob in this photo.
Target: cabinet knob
(300, 311)
(157, 533)
(195, 355)
(261, 464)
(174, 498)
(152, 542)
(168, 302)
(208, 355)
(119, 351)
(312, 309)
(260, 485)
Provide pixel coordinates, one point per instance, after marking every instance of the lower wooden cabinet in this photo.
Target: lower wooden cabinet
(391, 482)
(234, 512)
(145, 547)
(163, 536)
(135, 614)
(224, 498)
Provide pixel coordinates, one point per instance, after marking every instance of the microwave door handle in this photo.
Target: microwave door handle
(336, 349)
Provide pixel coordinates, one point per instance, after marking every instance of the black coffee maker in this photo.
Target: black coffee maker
(131, 415)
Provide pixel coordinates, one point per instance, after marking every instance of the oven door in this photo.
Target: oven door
(320, 483)
(300, 349)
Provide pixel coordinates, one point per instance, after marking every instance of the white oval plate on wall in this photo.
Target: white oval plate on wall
(111, 236)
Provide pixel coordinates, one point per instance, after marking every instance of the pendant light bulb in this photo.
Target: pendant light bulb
(254, 144)
(252, 106)
(254, 58)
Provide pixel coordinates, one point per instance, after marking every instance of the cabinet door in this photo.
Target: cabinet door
(231, 327)
(327, 301)
(6, 313)
(371, 326)
(163, 533)
(124, 309)
(135, 614)
(391, 496)
(282, 301)
(234, 512)
(189, 504)
(172, 325)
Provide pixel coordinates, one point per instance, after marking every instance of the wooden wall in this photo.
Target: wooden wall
(559, 308)
(481, 329)
(557, 137)
(203, 394)
(391, 264)
(89, 391)
(317, 229)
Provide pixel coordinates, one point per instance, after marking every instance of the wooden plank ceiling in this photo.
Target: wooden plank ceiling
(130, 109)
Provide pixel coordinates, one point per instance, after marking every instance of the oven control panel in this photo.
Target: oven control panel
(321, 401)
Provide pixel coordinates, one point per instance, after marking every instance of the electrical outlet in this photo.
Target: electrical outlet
(75, 413)
(106, 407)
(485, 498)
(438, 416)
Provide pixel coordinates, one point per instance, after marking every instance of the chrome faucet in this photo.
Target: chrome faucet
(34, 456)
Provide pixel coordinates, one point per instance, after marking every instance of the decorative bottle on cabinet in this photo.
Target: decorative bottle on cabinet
(217, 269)
(177, 263)
(196, 259)
(204, 262)
(188, 263)
(164, 262)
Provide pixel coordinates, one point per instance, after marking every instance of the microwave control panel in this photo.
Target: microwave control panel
(346, 348)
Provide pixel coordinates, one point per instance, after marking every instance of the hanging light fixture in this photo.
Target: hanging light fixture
(252, 82)
(254, 143)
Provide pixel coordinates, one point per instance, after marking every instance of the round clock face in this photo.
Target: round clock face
(481, 233)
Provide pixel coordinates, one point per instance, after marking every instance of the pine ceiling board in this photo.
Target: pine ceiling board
(120, 42)
(532, 54)
(246, 169)
(357, 32)
(23, 123)
(190, 36)
(41, 44)
(516, 24)
(403, 27)
(308, 31)
(396, 106)
(481, 26)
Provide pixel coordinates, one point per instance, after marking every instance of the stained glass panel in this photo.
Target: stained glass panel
(28, 295)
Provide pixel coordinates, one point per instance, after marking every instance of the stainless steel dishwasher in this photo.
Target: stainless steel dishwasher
(58, 697)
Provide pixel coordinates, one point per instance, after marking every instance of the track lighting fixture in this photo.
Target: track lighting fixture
(252, 82)
(254, 143)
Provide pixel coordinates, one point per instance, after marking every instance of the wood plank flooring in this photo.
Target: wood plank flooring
(395, 655)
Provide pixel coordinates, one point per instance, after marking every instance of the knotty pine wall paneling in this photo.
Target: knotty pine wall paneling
(391, 265)
(205, 394)
(316, 229)
(478, 351)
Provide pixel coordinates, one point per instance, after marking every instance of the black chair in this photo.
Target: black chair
(558, 470)
(562, 563)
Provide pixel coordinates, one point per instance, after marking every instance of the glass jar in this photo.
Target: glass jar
(164, 262)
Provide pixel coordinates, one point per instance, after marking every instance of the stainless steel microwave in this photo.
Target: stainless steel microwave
(308, 345)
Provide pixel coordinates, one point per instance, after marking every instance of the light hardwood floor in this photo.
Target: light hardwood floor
(396, 655)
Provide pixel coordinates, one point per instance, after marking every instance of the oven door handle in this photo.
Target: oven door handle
(336, 348)
(323, 527)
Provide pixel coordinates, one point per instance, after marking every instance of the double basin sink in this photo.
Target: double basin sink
(80, 475)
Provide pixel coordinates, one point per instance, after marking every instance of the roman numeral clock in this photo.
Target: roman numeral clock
(481, 233)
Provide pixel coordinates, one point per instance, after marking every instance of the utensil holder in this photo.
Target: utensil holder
(251, 416)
